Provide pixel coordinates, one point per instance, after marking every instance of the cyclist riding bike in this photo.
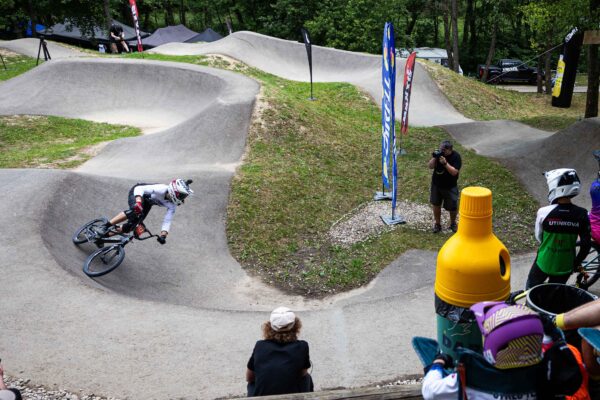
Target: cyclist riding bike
(557, 228)
(595, 211)
(142, 197)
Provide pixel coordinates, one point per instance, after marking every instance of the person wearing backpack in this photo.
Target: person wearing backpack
(512, 364)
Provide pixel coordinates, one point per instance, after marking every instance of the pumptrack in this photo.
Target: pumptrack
(180, 320)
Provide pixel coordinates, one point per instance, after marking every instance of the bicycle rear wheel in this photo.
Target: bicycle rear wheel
(591, 267)
(88, 232)
(104, 260)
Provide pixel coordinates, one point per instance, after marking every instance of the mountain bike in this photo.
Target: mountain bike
(588, 273)
(107, 258)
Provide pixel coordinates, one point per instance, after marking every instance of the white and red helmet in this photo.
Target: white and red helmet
(178, 190)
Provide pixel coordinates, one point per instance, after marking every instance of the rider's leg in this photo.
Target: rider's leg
(120, 217)
(125, 47)
(536, 276)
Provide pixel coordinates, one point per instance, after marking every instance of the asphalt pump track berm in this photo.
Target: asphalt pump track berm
(178, 320)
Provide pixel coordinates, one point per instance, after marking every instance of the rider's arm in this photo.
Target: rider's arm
(585, 241)
(539, 223)
(168, 217)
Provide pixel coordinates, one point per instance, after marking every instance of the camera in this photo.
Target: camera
(436, 154)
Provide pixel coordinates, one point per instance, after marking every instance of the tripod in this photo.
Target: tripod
(43, 45)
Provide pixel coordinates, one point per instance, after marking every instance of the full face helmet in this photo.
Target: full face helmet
(178, 190)
(512, 335)
(562, 182)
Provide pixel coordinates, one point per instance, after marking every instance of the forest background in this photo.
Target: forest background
(472, 31)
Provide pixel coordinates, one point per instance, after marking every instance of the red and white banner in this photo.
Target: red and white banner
(409, 71)
(136, 24)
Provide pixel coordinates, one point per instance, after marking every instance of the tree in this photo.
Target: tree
(455, 62)
(591, 103)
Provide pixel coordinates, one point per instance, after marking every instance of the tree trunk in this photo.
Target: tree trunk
(491, 51)
(540, 82)
(591, 103)
(467, 25)
(547, 66)
(436, 31)
(33, 17)
(411, 23)
(182, 13)
(455, 64)
(473, 31)
(446, 16)
(107, 15)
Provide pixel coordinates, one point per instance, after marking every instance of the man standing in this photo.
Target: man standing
(557, 228)
(445, 164)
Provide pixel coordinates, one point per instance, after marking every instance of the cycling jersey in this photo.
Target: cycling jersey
(155, 195)
(557, 228)
(595, 211)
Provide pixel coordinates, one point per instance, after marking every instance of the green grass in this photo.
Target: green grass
(15, 65)
(483, 102)
(308, 163)
(53, 142)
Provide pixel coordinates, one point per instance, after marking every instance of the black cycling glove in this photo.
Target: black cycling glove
(161, 239)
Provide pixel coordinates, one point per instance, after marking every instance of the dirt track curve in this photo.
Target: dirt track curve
(179, 321)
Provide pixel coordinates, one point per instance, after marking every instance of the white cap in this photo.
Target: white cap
(282, 319)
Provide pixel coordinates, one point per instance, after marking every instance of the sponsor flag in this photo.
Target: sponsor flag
(562, 93)
(409, 72)
(306, 38)
(136, 24)
(388, 81)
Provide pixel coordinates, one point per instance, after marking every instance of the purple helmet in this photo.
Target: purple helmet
(512, 335)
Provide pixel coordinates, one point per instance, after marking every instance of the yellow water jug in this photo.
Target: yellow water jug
(473, 265)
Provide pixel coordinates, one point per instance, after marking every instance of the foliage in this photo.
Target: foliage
(481, 101)
(524, 26)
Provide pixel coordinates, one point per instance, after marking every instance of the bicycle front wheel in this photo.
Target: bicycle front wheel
(88, 232)
(104, 260)
(591, 268)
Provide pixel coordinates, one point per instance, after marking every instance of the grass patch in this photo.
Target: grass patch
(53, 142)
(309, 163)
(483, 102)
(15, 65)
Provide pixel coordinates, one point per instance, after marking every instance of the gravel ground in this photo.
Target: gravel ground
(365, 221)
(31, 391)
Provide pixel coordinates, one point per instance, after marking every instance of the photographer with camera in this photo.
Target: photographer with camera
(445, 164)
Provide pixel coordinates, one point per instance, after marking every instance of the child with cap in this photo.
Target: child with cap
(279, 363)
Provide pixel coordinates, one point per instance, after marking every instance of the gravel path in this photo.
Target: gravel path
(365, 221)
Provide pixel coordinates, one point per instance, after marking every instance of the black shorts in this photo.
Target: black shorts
(447, 197)
(132, 218)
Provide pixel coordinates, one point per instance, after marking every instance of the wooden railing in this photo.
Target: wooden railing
(405, 392)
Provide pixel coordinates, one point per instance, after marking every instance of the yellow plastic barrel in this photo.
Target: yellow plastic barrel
(472, 266)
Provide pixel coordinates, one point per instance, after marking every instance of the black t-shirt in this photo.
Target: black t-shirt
(278, 366)
(441, 177)
(116, 30)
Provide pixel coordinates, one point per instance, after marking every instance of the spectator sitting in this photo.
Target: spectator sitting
(512, 365)
(6, 393)
(586, 316)
(279, 364)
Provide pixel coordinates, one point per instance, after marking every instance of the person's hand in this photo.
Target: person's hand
(443, 160)
(161, 239)
(138, 208)
(444, 359)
